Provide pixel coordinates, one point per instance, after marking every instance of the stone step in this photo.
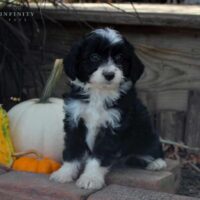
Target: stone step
(21, 183)
(165, 181)
(37, 186)
(12, 195)
(3, 169)
(117, 192)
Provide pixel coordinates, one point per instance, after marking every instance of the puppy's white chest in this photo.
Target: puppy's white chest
(96, 115)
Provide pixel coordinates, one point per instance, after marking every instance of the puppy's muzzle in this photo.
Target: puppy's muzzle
(109, 75)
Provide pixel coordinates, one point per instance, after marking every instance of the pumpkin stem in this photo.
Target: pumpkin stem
(20, 154)
(51, 82)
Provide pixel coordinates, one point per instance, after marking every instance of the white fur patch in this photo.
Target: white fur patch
(112, 35)
(67, 172)
(125, 87)
(94, 113)
(75, 108)
(93, 175)
(157, 164)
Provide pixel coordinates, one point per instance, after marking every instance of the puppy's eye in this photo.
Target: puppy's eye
(95, 57)
(119, 57)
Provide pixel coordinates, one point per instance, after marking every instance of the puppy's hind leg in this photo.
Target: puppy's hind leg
(154, 164)
(157, 164)
(146, 162)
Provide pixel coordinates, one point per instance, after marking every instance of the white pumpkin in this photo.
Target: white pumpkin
(38, 123)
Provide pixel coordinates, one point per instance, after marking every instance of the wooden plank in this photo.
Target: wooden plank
(192, 132)
(170, 125)
(169, 69)
(176, 100)
(149, 14)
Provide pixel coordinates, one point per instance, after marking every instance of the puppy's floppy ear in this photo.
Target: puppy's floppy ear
(71, 61)
(137, 68)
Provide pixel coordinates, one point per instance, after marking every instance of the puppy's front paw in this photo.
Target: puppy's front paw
(61, 176)
(66, 173)
(157, 164)
(90, 182)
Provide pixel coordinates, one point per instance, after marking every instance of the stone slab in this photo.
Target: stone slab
(30, 186)
(10, 195)
(117, 192)
(3, 170)
(165, 181)
(174, 167)
(38, 186)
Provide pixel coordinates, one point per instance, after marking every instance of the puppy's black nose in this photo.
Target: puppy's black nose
(109, 75)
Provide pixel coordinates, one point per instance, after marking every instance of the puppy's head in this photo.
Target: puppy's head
(103, 58)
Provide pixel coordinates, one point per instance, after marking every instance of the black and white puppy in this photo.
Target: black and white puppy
(104, 119)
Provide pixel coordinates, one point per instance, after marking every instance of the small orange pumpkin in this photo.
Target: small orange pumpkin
(36, 164)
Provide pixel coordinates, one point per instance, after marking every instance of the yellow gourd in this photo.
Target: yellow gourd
(6, 147)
